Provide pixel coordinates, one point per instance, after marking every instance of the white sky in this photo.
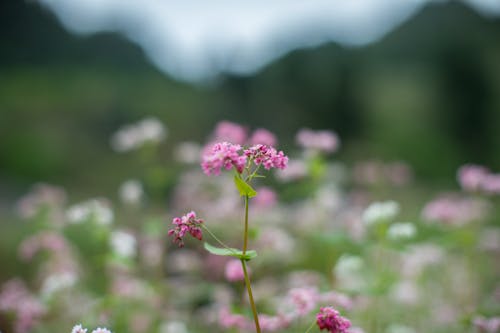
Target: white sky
(195, 40)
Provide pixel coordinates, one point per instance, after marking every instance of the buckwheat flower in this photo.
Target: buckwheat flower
(222, 155)
(330, 319)
(471, 177)
(491, 184)
(265, 198)
(402, 230)
(101, 330)
(131, 192)
(78, 329)
(186, 224)
(232, 132)
(232, 320)
(380, 212)
(487, 325)
(267, 156)
(303, 300)
(263, 137)
(123, 244)
(325, 141)
(233, 271)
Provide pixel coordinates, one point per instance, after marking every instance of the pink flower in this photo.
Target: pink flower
(231, 320)
(491, 184)
(187, 223)
(326, 141)
(491, 325)
(471, 177)
(263, 137)
(267, 156)
(222, 155)
(265, 198)
(454, 210)
(232, 132)
(328, 318)
(233, 271)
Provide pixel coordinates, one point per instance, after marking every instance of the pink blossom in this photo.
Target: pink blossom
(267, 156)
(187, 223)
(263, 137)
(273, 323)
(233, 271)
(454, 210)
(303, 300)
(47, 240)
(471, 177)
(231, 320)
(491, 183)
(232, 132)
(484, 325)
(328, 318)
(326, 141)
(266, 197)
(222, 155)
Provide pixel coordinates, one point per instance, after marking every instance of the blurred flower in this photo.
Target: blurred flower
(325, 141)
(348, 272)
(231, 132)
(16, 299)
(97, 210)
(397, 328)
(267, 156)
(134, 136)
(302, 300)
(78, 329)
(231, 320)
(296, 169)
(222, 155)
(187, 152)
(45, 240)
(273, 323)
(186, 223)
(58, 281)
(184, 262)
(471, 177)
(380, 212)
(265, 198)
(405, 292)
(487, 325)
(101, 330)
(454, 210)
(375, 172)
(337, 299)
(173, 327)
(233, 271)
(418, 257)
(40, 196)
(491, 184)
(263, 137)
(131, 192)
(401, 230)
(123, 243)
(330, 319)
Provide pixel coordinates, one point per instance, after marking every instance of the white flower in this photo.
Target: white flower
(94, 209)
(174, 327)
(380, 212)
(348, 272)
(58, 281)
(188, 152)
(401, 230)
(123, 244)
(101, 330)
(131, 191)
(133, 136)
(78, 329)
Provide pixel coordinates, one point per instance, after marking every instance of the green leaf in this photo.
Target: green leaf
(219, 251)
(244, 188)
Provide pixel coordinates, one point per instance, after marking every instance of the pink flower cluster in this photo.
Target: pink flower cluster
(225, 155)
(233, 271)
(222, 155)
(47, 240)
(487, 325)
(186, 224)
(454, 210)
(267, 156)
(325, 141)
(15, 298)
(232, 132)
(330, 319)
(476, 178)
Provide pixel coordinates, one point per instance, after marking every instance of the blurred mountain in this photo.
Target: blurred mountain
(428, 93)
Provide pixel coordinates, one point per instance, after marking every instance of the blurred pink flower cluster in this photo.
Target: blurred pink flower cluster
(455, 210)
(16, 299)
(476, 178)
(80, 329)
(232, 132)
(325, 141)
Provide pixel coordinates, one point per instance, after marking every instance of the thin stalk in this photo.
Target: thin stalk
(250, 296)
(245, 236)
(217, 239)
(310, 327)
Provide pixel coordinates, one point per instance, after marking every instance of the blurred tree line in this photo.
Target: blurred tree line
(427, 93)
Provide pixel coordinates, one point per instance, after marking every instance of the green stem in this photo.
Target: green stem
(245, 236)
(310, 327)
(217, 239)
(250, 296)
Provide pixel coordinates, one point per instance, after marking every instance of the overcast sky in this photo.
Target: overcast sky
(195, 40)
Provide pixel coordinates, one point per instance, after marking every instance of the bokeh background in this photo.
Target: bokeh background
(425, 91)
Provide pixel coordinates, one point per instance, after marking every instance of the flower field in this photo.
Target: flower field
(319, 245)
